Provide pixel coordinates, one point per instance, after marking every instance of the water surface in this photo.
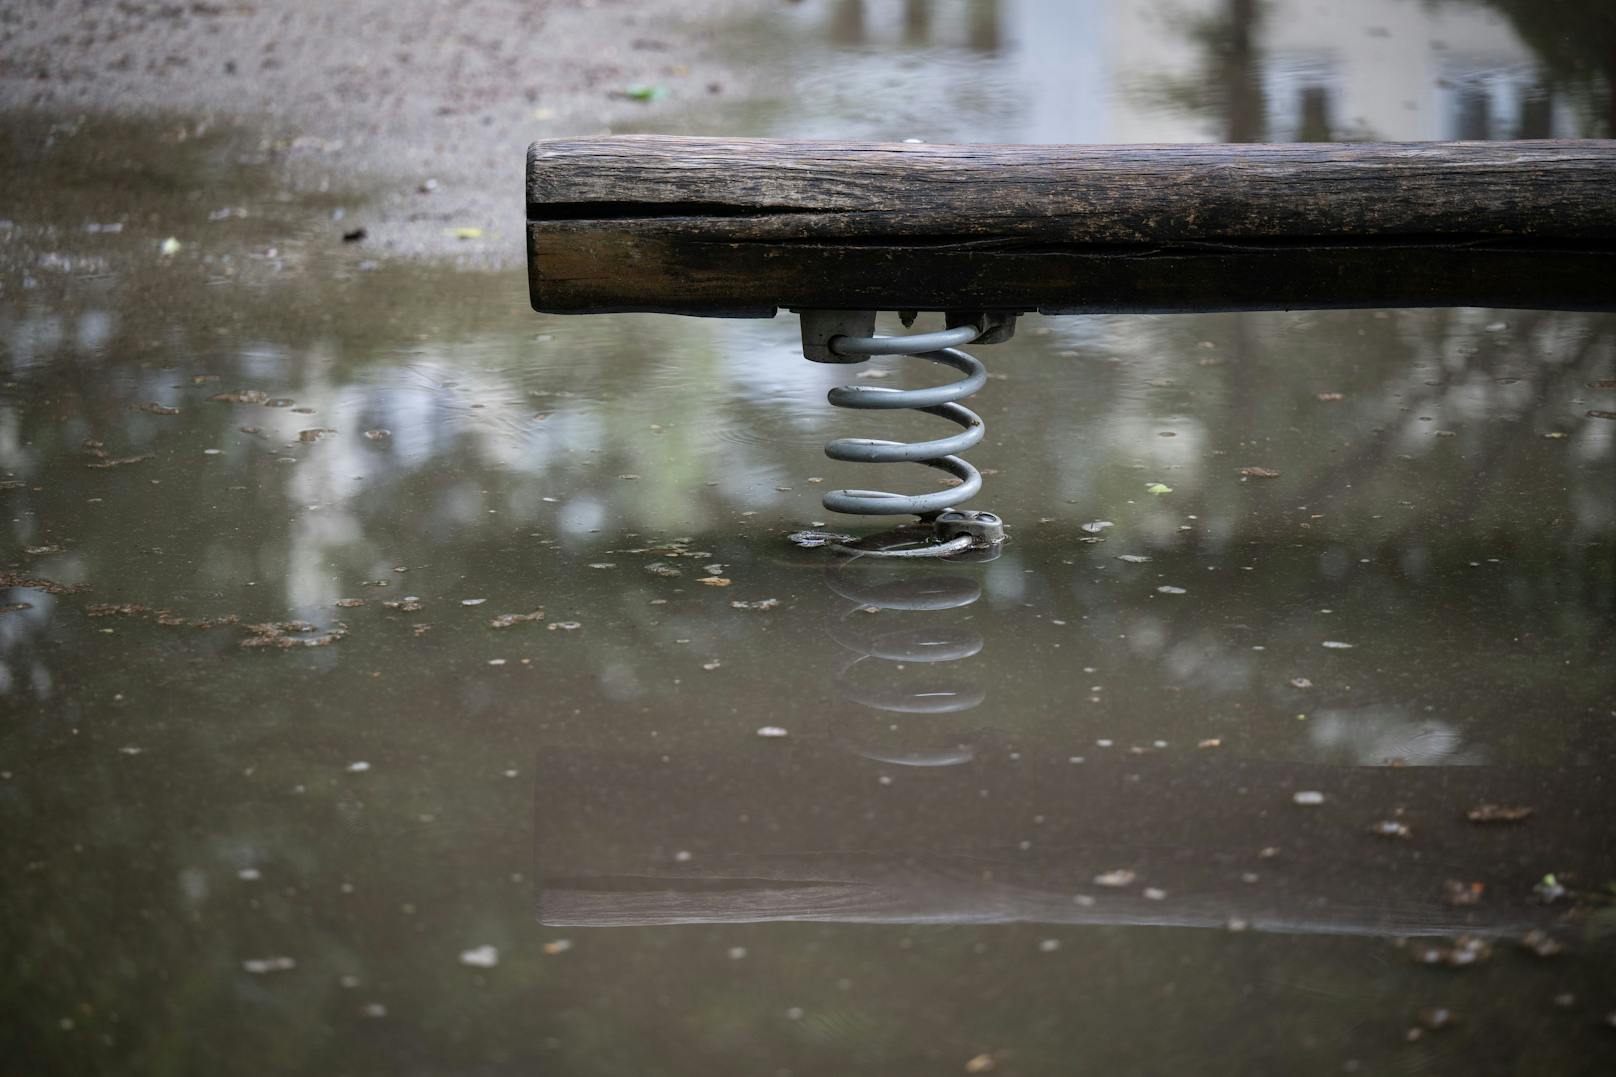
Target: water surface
(1182, 782)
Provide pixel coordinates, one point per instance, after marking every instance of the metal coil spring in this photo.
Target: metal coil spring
(942, 401)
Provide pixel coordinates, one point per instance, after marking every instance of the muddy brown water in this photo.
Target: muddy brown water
(1185, 790)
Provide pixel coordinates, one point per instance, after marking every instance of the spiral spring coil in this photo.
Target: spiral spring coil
(942, 401)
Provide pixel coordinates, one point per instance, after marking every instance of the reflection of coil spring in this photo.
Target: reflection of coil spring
(864, 631)
(941, 347)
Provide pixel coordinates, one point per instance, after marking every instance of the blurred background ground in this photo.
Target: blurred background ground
(427, 106)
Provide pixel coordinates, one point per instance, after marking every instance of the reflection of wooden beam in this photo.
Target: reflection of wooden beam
(714, 226)
(807, 831)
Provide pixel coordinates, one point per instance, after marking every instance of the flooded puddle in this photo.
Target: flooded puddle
(396, 680)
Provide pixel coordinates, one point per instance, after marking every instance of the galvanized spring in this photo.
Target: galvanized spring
(942, 401)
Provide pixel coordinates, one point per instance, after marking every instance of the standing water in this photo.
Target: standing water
(397, 681)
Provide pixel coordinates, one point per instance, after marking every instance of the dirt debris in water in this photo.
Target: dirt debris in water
(241, 396)
(290, 635)
(508, 620)
(1499, 813)
(1464, 951)
(10, 579)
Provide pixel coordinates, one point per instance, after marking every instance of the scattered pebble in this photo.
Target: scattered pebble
(1258, 473)
(1119, 877)
(1308, 797)
(1169, 589)
(1336, 645)
(1390, 828)
(760, 604)
(1133, 558)
(714, 581)
(771, 731)
(482, 957)
(1048, 946)
(557, 946)
(258, 966)
(358, 767)
(1151, 893)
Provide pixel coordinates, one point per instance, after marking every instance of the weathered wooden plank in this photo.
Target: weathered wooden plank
(708, 226)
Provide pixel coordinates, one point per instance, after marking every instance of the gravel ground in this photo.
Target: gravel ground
(425, 106)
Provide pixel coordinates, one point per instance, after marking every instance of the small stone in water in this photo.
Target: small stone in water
(771, 731)
(358, 767)
(1336, 645)
(482, 957)
(1308, 797)
(557, 946)
(261, 965)
(1390, 828)
(472, 601)
(1119, 877)
(760, 604)
(1169, 589)
(1133, 558)
(1301, 682)
(1436, 1017)
(1094, 527)
(1048, 946)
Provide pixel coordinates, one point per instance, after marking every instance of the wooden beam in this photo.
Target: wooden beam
(742, 227)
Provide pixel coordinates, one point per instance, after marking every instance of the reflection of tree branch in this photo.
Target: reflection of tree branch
(1373, 455)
